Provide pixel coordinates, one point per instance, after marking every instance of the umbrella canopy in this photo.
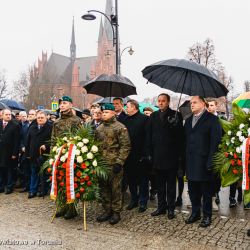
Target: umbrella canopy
(110, 85)
(243, 100)
(3, 106)
(13, 104)
(185, 109)
(110, 100)
(187, 77)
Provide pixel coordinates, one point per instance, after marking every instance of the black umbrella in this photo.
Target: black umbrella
(3, 106)
(110, 85)
(185, 110)
(187, 77)
(110, 100)
(13, 104)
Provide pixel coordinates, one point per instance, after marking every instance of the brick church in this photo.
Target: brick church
(64, 75)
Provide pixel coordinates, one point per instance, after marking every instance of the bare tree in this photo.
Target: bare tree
(247, 86)
(3, 85)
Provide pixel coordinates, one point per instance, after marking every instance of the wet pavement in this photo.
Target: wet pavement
(25, 224)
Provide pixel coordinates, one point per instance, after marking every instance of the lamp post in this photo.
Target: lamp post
(113, 20)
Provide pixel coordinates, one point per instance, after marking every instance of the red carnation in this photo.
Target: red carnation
(82, 181)
(75, 179)
(61, 184)
(74, 165)
(86, 178)
(226, 154)
(83, 165)
(61, 173)
(232, 162)
(235, 156)
(75, 185)
(78, 195)
(64, 165)
(49, 170)
(78, 174)
(82, 190)
(59, 177)
(89, 183)
(235, 171)
(239, 162)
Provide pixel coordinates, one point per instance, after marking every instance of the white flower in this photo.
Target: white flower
(63, 159)
(66, 155)
(64, 151)
(84, 149)
(85, 141)
(232, 140)
(75, 137)
(58, 150)
(242, 138)
(241, 126)
(239, 133)
(80, 144)
(51, 161)
(94, 149)
(231, 153)
(227, 143)
(229, 132)
(79, 159)
(94, 163)
(65, 138)
(78, 152)
(90, 156)
(54, 149)
(238, 150)
(68, 144)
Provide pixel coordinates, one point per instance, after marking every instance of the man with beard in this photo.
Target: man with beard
(165, 146)
(136, 166)
(9, 145)
(68, 122)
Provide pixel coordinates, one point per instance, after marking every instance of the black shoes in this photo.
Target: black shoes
(158, 212)
(217, 199)
(206, 221)
(104, 217)
(24, 190)
(71, 212)
(31, 195)
(131, 205)
(193, 218)
(232, 202)
(178, 202)
(171, 214)
(152, 196)
(115, 218)
(142, 208)
(8, 191)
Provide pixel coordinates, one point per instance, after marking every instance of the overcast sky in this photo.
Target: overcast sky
(157, 30)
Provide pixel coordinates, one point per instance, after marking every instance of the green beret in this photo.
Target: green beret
(108, 106)
(66, 99)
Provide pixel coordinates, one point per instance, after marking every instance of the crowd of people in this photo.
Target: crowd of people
(148, 152)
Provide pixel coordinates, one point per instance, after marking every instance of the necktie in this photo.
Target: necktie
(4, 124)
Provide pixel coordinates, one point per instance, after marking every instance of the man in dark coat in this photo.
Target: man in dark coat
(136, 166)
(119, 109)
(38, 143)
(203, 135)
(9, 146)
(165, 144)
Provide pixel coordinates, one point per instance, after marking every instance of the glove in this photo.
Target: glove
(117, 168)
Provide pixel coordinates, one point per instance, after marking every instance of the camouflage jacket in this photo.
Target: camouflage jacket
(67, 122)
(115, 142)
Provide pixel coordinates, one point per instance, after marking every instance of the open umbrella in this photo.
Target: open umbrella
(3, 106)
(243, 100)
(110, 100)
(110, 85)
(13, 104)
(185, 109)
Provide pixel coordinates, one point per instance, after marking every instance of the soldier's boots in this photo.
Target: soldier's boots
(61, 211)
(115, 218)
(71, 212)
(104, 217)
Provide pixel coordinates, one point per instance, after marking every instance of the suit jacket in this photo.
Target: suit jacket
(9, 142)
(36, 138)
(121, 117)
(201, 143)
(165, 140)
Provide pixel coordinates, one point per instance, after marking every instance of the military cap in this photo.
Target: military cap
(108, 106)
(66, 99)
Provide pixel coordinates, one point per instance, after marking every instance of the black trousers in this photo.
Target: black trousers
(198, 190)
(166, 188)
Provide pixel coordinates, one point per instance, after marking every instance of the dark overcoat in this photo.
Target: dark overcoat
(36, 138)
(137, 126)
(9, 142)
(165, 141)
(201, 143)
(121, 117)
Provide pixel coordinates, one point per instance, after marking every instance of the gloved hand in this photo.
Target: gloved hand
(117, 168)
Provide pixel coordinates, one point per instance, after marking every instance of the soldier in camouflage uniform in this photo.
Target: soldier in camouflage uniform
(67, 122)
(115, 148)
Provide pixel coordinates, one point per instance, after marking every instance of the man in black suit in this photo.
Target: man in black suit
(9, 148)
(119, 110)
(203, 135)
(165, 142)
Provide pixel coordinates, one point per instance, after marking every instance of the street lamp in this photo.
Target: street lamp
(113, 20)
(130, 51)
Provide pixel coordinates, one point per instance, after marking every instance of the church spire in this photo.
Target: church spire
(73, 44)
(109, 10)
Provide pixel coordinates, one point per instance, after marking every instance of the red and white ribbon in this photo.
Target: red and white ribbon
(245, 162)
(70, 190)
(54, 190)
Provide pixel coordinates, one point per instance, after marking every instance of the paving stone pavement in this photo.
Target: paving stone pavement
(25, 224)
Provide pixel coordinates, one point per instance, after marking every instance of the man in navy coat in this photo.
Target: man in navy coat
(203, 135)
